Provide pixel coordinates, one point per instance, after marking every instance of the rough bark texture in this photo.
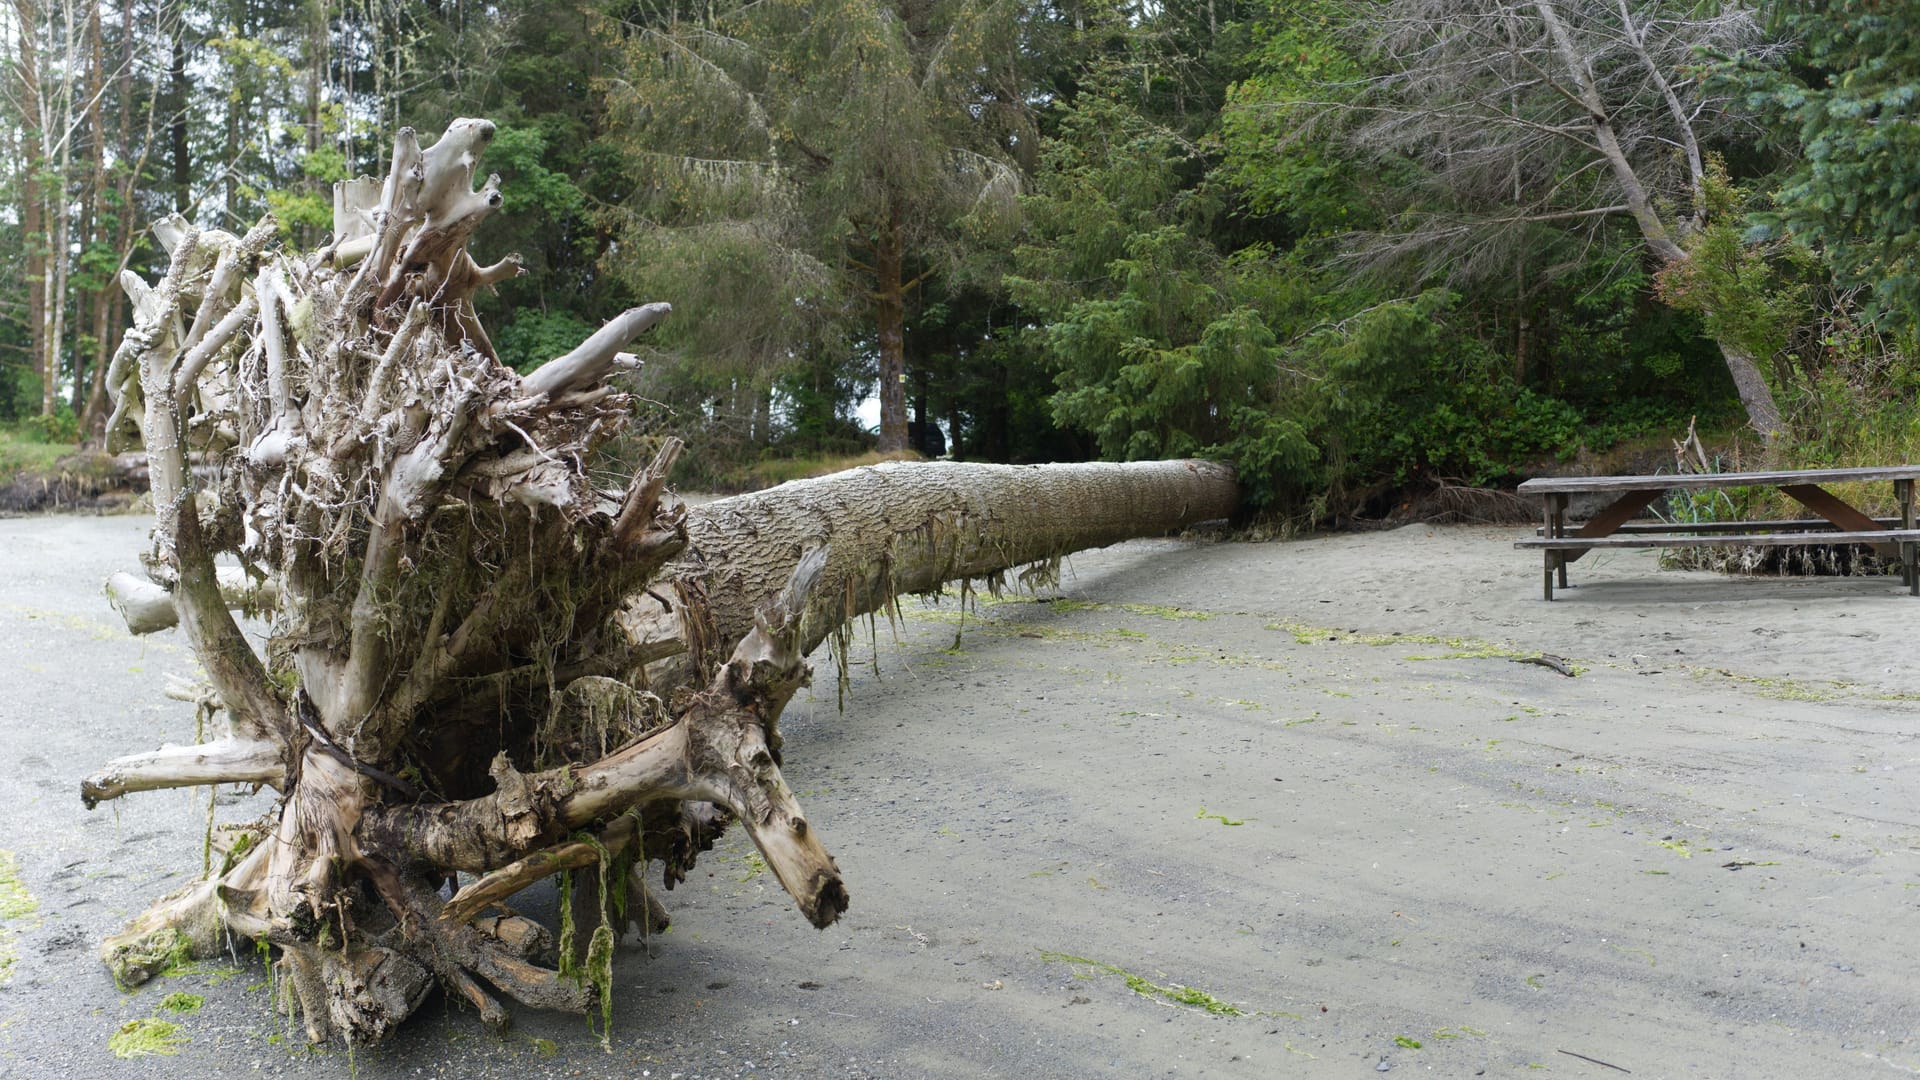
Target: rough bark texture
(889, 305)
(905, 528)
(456, 678)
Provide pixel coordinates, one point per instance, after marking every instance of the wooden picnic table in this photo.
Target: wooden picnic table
(1839, 522)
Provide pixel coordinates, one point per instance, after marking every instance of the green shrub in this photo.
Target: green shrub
(61, 427)
(534, 337)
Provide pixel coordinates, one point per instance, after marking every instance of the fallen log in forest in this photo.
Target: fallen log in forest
(482, 668)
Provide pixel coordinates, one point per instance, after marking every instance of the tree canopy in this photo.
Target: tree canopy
(1354, 247)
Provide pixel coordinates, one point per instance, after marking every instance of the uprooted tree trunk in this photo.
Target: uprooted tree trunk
(461, 693)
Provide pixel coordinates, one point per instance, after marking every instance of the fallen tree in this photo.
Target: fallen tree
(485, 666)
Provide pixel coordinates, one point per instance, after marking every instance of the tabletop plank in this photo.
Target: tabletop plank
(1698, 481)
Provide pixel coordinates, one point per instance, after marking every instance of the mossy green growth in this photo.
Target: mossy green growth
(597, 967)
(1459, 648)
(600, 974)
(15, 903)
(1064, 604)
(1679, 847)
(565, 948)
(1786, 689)
(544, 1047)
(755, 866)
(1161, 611)
(1179, 995)
(242, 844)
(182, 1002)
(166, 951)
(1158, 611)
(146, 1037)
(1406, 1042)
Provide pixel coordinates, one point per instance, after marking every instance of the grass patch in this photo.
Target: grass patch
(146, 1037)
(22, 452)
(182, 1002)
(1175, 993)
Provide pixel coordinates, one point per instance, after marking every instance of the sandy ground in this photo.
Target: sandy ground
(1204, 766)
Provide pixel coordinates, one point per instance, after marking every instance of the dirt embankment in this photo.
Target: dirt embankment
(90, 480)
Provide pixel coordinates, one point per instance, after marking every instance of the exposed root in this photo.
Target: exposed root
(444, 688)
(191, 924)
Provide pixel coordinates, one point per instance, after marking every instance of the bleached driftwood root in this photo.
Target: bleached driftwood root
(448, 684)
(148, 608)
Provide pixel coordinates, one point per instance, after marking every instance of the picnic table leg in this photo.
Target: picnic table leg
(1555, 509)
(1617, 513)
(1559, 504)
(1903, 491)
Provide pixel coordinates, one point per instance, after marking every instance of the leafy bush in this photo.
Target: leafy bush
(61, 427)
(534, 337)
(1411, 398)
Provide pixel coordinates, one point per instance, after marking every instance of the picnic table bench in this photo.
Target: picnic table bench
(1613, 526)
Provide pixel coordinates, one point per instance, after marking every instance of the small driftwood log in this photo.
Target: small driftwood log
(465, 633)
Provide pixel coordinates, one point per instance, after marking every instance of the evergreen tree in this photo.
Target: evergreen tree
(801, 170)
(1852, 101)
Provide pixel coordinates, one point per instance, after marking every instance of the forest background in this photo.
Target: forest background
(1358, 248)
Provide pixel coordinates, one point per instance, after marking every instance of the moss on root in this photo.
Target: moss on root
(135, 962)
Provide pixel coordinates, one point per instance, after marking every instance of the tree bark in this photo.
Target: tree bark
(180, 153)
(899, 528)
(890, 318)
(457, 675)
(32, 165)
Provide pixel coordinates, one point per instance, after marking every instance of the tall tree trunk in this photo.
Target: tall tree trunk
(230, 152)
(130, 163)
(179, 95)
(90, 308)
(60, 259)
(890, 318)
(32, 166)
(1751, 383)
